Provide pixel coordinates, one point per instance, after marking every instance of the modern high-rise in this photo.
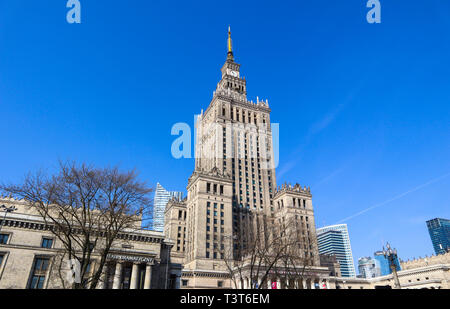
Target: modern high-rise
(439, 230)
(162, 196)
(369, 267)
(383, 261)
(335, 240)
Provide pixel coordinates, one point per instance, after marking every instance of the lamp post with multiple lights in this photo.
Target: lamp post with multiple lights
(391, 255)
(6, 210)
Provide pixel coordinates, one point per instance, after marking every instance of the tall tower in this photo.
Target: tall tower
(233, 185)
(234, 137)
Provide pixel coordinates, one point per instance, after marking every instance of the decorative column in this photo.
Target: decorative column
(101, 285)
(134, 276)
(148, 276)
(117, 276)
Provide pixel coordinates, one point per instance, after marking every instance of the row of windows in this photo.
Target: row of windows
(215, 255)
(214, 188)
(185, 283)
(251, 117)
(45, 243)
(296, 202)
(215, 229)
(215, 246)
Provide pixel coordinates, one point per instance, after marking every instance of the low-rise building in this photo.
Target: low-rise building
(139, 259)
(425, 273)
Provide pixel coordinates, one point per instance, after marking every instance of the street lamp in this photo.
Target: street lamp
(391, 255)
(6, 210)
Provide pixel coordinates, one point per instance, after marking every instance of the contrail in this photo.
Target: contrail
(395, 197)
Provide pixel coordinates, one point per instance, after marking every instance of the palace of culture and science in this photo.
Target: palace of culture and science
(232, 194)
(235, 229)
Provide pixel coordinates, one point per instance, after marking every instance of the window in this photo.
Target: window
(219, 284)
(47, 243)
(184, 282)
(39, 271)
(4, 239)
(2, 255)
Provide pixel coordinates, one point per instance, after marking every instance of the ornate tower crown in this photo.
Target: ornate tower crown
(231, 78)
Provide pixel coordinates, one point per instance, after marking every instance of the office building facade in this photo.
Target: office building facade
(335, 240)
(368, 267)
(162, 197)
(383, 261)
(439, 230)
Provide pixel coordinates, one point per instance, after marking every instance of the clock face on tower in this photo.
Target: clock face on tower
(233, 73)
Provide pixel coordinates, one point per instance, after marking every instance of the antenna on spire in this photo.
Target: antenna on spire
(230, 45)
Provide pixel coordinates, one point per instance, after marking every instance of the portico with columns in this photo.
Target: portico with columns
(128, 272)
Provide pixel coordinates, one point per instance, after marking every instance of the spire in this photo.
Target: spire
(230, 45)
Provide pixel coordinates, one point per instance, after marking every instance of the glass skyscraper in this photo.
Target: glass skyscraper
(162, 197)
(335, 240)
(439, 230)
(383, 261)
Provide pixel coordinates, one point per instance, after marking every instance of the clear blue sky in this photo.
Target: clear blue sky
(364, 110)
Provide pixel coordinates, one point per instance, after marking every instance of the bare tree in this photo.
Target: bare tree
(272, 248)
(86, 209)
(298, 252)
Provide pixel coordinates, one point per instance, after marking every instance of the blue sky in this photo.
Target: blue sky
(363, 109)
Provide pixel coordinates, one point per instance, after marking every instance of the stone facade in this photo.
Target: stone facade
(138, 260)
(426, 261)
(232, 185)
(435, 276)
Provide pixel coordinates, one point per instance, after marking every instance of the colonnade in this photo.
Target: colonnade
(300, 283)
(134, 280)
